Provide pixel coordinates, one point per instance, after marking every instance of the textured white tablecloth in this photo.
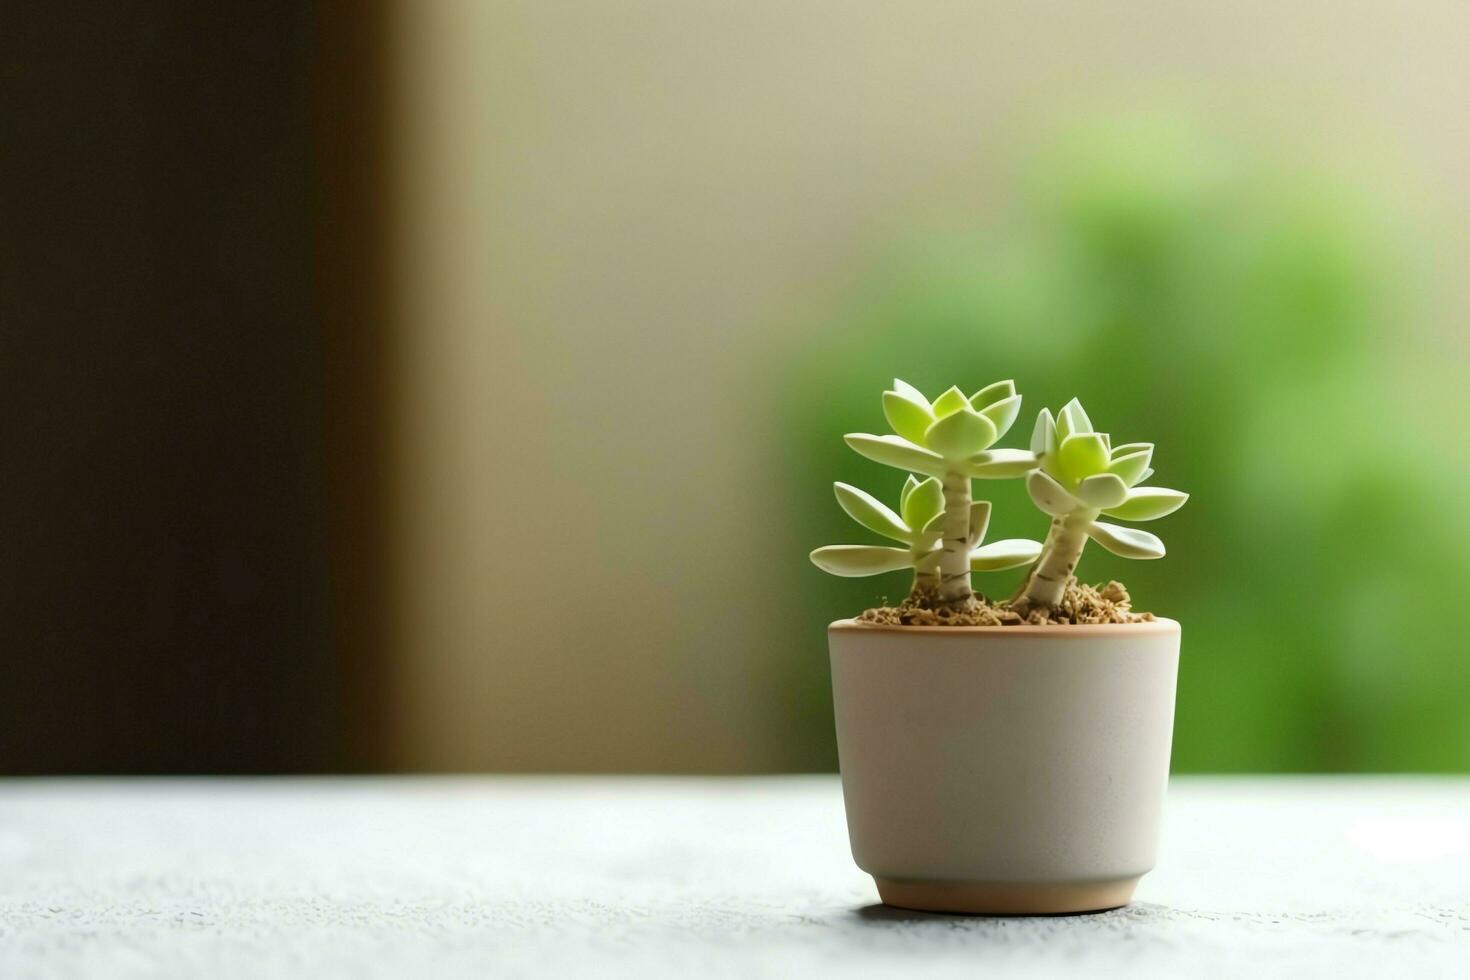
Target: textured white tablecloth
(497, 876)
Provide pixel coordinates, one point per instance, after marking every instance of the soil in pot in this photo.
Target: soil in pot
(1080, 604)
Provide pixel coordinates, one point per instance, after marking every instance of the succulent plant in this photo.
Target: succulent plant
(1074, 474)
(917, 526)
(948, 441)
(1082, 476)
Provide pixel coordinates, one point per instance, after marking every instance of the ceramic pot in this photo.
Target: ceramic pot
(1004, 770)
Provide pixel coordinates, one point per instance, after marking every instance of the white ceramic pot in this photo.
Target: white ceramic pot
(1005, 770)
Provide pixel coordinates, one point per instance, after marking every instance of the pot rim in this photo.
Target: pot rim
(1158, 627)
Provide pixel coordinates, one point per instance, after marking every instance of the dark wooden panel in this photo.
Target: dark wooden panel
(166, 600)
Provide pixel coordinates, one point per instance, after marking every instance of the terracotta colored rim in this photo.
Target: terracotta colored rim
(1081, 629)
(1067, 898)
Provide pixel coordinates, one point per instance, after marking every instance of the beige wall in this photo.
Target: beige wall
(606, 212)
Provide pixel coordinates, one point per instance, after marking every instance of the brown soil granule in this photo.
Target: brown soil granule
(1080, 604)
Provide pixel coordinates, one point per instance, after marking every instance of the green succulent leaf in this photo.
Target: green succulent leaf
(962, 433)
(1126, 542)
(1148, 504)
(950, 402)
(908, 417)
(871, 513)
(923, 503)
(1000, 464)
(1103, 490)
(930, 536)
(1082, 455)
(1008, 553)
(1143, 477)
(896, 451)
(909, 391)
(858, 560)
(1130, 467)
(1003, 413)
(991, 394)
(1133, 447)
(1073, 419)
(1044, 435)
(909, 483)
(979, 521)
(1050, 496)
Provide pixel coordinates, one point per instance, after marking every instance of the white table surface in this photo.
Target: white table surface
(506, 876)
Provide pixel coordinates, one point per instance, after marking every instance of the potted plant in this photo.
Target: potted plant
(1002, 756)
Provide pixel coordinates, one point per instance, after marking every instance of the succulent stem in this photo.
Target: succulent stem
(954, 558)
(1059, 554)
(926, 580)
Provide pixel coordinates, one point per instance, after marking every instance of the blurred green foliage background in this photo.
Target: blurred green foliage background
(649, 262)
(1265, 322)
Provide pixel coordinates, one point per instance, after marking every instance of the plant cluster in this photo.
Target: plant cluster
(1074, 475)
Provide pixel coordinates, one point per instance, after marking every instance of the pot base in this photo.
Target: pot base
(983, 898)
